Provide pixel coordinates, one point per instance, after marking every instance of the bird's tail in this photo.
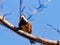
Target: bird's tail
(32, 42)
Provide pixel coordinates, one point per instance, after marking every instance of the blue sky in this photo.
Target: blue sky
(49, 15)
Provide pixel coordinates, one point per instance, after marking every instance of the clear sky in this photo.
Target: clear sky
(39, 21)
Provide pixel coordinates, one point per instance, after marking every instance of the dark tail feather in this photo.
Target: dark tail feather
(32, 42)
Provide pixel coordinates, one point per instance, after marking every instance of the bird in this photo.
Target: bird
(26, 26)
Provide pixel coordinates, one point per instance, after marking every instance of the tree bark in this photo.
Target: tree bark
(27, 35)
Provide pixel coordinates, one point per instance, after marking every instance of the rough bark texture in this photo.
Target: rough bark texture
(26, 35)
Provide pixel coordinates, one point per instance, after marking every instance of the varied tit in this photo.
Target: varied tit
(25, 25)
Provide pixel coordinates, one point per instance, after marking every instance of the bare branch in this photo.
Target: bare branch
(39, 8)
(27, 35)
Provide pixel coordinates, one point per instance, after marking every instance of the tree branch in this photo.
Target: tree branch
(27, 35)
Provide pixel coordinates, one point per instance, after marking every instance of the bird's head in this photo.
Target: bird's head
(23, 18)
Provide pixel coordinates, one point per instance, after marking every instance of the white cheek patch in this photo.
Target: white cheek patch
(24, 18)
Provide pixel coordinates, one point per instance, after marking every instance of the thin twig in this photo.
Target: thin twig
(54, 28)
